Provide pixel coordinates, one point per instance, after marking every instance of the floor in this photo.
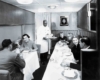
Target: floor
(38, 74)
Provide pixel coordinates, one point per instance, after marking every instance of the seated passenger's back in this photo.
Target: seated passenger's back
(90, 64)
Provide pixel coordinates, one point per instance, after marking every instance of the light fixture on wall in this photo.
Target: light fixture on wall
(41, 10)
(89, 13)
(52, 6)
(24, 1)
(71, 0)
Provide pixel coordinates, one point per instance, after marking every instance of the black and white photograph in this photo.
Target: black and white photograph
(49, 40)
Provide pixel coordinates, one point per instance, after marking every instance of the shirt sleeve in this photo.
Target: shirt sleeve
(75, 66)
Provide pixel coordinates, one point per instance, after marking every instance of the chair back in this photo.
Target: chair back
(4, 75)
(90, 64)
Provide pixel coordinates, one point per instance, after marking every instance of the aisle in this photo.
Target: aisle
(38, 74)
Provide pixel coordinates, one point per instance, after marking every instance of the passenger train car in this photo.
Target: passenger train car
(72, 17)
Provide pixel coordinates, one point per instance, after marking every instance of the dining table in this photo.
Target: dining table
(54, 69)
(31, 64)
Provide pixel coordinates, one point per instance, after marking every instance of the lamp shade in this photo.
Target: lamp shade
(89, 13)
(24, 1)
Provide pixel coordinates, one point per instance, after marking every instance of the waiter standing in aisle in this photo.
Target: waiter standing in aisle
(43, 33)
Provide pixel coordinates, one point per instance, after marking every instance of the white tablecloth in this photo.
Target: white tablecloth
(32, 64)
(54, 69)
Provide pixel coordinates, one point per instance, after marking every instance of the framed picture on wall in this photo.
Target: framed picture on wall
(63, 21)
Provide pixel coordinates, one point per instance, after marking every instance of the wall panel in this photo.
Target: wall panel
(12, 15)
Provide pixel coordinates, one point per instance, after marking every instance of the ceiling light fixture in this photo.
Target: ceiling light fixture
(71, 0)
(52, 6)
(24, 1)
(41, 10)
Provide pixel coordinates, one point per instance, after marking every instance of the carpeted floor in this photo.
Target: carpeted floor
(38, 74)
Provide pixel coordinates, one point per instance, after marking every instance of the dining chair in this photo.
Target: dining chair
(4, 75)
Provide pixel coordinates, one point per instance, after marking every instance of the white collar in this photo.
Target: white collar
(88, 47)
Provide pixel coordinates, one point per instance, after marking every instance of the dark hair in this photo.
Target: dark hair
(25, 35)
(86, 40)
(44, 21)
(6, 43)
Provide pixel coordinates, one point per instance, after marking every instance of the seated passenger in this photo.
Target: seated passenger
(84, 44)
(62, 37)
(69, 38)
(27, 44)
(76, 49)
(11, 61)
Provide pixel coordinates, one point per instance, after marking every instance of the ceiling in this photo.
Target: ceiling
(42, 5)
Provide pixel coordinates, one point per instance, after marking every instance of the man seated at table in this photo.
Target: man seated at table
(11, 61)
(27, 44)
(84, 44)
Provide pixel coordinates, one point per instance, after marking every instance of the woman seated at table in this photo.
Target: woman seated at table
(11, 61)
(76, 49)
(27, 44)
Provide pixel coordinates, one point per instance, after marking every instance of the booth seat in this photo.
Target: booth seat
(90, 64)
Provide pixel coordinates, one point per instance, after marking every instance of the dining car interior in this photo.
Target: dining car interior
(49, 39)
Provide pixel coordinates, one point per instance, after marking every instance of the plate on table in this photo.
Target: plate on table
(70, 76)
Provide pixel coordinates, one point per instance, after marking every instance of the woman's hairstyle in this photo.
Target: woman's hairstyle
(25, 35)
(6, 43)
(86, 40)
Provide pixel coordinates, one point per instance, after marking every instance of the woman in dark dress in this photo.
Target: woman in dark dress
(76, 49)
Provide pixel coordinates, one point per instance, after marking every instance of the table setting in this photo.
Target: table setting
(58, 68)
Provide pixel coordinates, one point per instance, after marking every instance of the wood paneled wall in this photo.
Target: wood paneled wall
(12, 15)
